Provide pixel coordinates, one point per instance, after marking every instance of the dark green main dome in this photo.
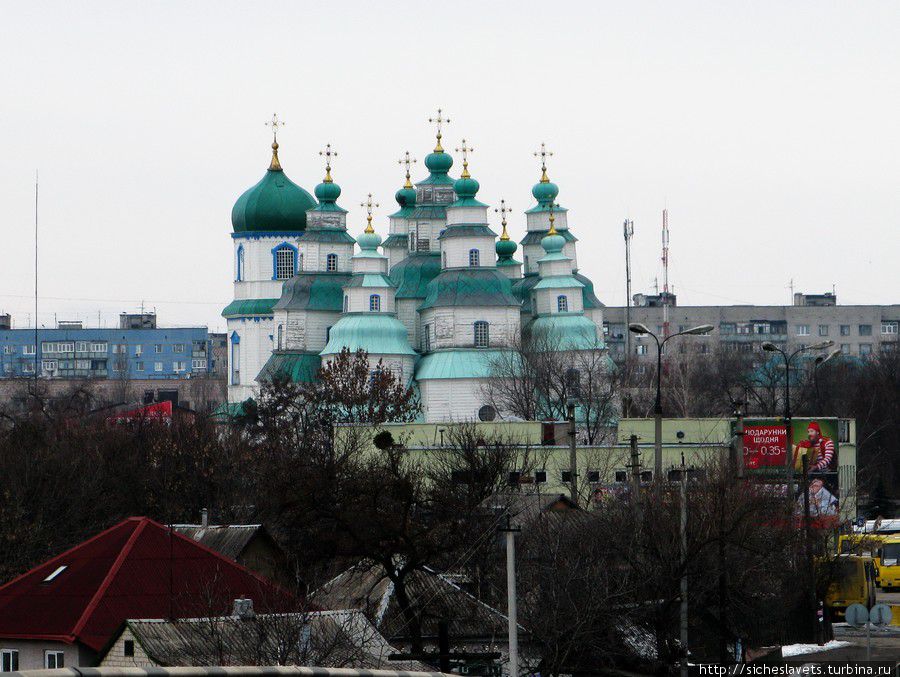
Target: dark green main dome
(274, 204)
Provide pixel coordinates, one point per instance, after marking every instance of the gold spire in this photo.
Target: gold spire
(407, 160)
(328, 154)
(503, 210)
(543, 153)
(275, 123)
(552, 230)
(465, 150)
(369, 205)
(439, 120)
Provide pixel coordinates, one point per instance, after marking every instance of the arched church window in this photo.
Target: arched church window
(346, 303)
(375, 303)
(284, 262)
(239, 273)
(482, 334)
(299, 261)
(562, 304)
(474, 258)
(443, 259)
(235, 359)
(331, 263)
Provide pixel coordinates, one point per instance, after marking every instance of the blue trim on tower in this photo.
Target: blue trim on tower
(240, 263)
(261, 234)
(275, 250)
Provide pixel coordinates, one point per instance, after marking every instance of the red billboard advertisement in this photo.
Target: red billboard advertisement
(764, 446)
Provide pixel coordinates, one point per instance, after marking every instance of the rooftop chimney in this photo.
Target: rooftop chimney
(243, 609)
(204, 518)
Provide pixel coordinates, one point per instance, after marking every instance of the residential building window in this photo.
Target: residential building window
(593, 476)
(157, 366)
(179, 366)
(474, 258)
(865, 330)
(562, 304)
(54, 659)
(646, 476)
(239, 272)
(128, 648)
(178, 348)
(802, 330)
(482, 335)
(285, 262)
(845, 330)
(331, 263)
(889, 328)
(9, 660)
(744, 328)
(8, 350)
(81, 346)
(865, 348)
(99, 347)
(727, 328)
(375, 303)
(640, 349)
(845, 348)
(139, 366)
(823, 330)
(158, 348)
(49, 365)
(198, 364)
(138, 350)
(758, 328)
(28, 350)
(621, 476)
(540, 476)
(119, 365)
(28, 367)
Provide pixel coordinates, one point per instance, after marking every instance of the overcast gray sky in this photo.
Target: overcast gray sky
(768, 129)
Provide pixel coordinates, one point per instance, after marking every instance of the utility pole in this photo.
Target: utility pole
(628, 228)
(737, 442)
(684, 580)
(511, 531)
(573, 455)
(665, 262)
(635, 466)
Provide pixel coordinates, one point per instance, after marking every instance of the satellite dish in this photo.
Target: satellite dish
(880, 614)
(857, 615)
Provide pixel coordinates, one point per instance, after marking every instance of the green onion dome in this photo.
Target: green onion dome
(274, 204)
(406, 197)
(466, 187)
(554, 243)
(545, 192)
(438, 162)
(328, 191)
(506, 248)
(368, 241)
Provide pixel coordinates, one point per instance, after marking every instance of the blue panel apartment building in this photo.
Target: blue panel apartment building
(123, 353)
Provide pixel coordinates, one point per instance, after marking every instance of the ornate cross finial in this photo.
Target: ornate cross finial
(439, 120)
(465, 150)
(503, 210)
(552, 230)
(328, 154)
(369, 205)
(407, 160)
(543, 153)
(275, 123)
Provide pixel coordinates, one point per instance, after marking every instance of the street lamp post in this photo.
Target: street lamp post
(642, 330)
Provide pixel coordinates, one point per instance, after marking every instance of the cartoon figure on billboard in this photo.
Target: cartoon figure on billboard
(819, 451)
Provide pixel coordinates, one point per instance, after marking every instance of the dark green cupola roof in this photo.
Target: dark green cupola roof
(274, 204)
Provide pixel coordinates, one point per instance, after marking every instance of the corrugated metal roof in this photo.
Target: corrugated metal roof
(412, 274)
(376, 333)
(370, 280)
(466, 230)
(328, 235)
(559, 282)
(226, 539)
(470, 287)
(249, 307)
(313, 291)
(295, 366)
(396, 240)
(136, 568)
(461, 363)
(343, 638)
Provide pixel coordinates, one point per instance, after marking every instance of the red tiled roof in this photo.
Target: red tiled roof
(135, 569)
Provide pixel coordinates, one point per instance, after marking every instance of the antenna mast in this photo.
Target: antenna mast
(35, 275)
(628, 230)
(665, 262)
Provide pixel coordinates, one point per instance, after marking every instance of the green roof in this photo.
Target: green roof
(466, 230)
(545, 208)
(535, 236)
(249, 307)
(470, 287)
(275, 203)
(412, 274)
(567, 331)
(314, 291)
(436, 180)
(295, 366)
(430, 212)
(460, 363)
(558, 282)
(376, 333)
(467, 202)
(328, 235)
(396, 240)
(370, 280)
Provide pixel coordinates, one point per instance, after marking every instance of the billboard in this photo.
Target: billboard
(816, 439)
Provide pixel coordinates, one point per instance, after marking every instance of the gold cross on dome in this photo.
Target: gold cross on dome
(407, 160)
(543, 153)
(275, 123)
(328, 154)
(439, 120)
(552, 230)
(503, 210)
(369, 205)
(465, 150)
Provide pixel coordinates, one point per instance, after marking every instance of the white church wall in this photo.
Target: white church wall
(546, 300)
(541, 220)
(457, 250)
(406, 313)
(466, 215)
(454, 327)
(452, 399)
(358, 299)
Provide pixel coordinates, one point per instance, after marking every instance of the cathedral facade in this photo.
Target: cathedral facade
(439, 301)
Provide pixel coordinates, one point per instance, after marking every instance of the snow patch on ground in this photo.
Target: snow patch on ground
(800, 649)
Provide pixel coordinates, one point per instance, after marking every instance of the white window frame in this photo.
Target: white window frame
(482, 334)
(59, 659)
(99, 347)
(285, 263)
(28, 350)
(9, 660)
(178, 348)
(889, 328)
(179, 366)
(158, 367)
(331, 263)
(474, 258)
(198, 363)
(138, 350)
(158, 348)
(802, 330)
(374, 303)
(49, 365)
(28, 367)
(562, 303)
(139, 365)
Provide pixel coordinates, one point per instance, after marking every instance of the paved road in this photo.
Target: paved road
(892, 597)
(884, 647)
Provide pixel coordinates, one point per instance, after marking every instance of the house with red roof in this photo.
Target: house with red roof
(64, 612)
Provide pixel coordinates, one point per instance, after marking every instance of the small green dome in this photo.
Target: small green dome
(506, 248)
(274, 204)
(545, 191)
(369, 241)
(553, 244)
(466, 187)
(328, 191)
(406, 197)
(438, 163)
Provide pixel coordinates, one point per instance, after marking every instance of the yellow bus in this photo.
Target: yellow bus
(852, 582)
(889, 562)
(859, 544)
